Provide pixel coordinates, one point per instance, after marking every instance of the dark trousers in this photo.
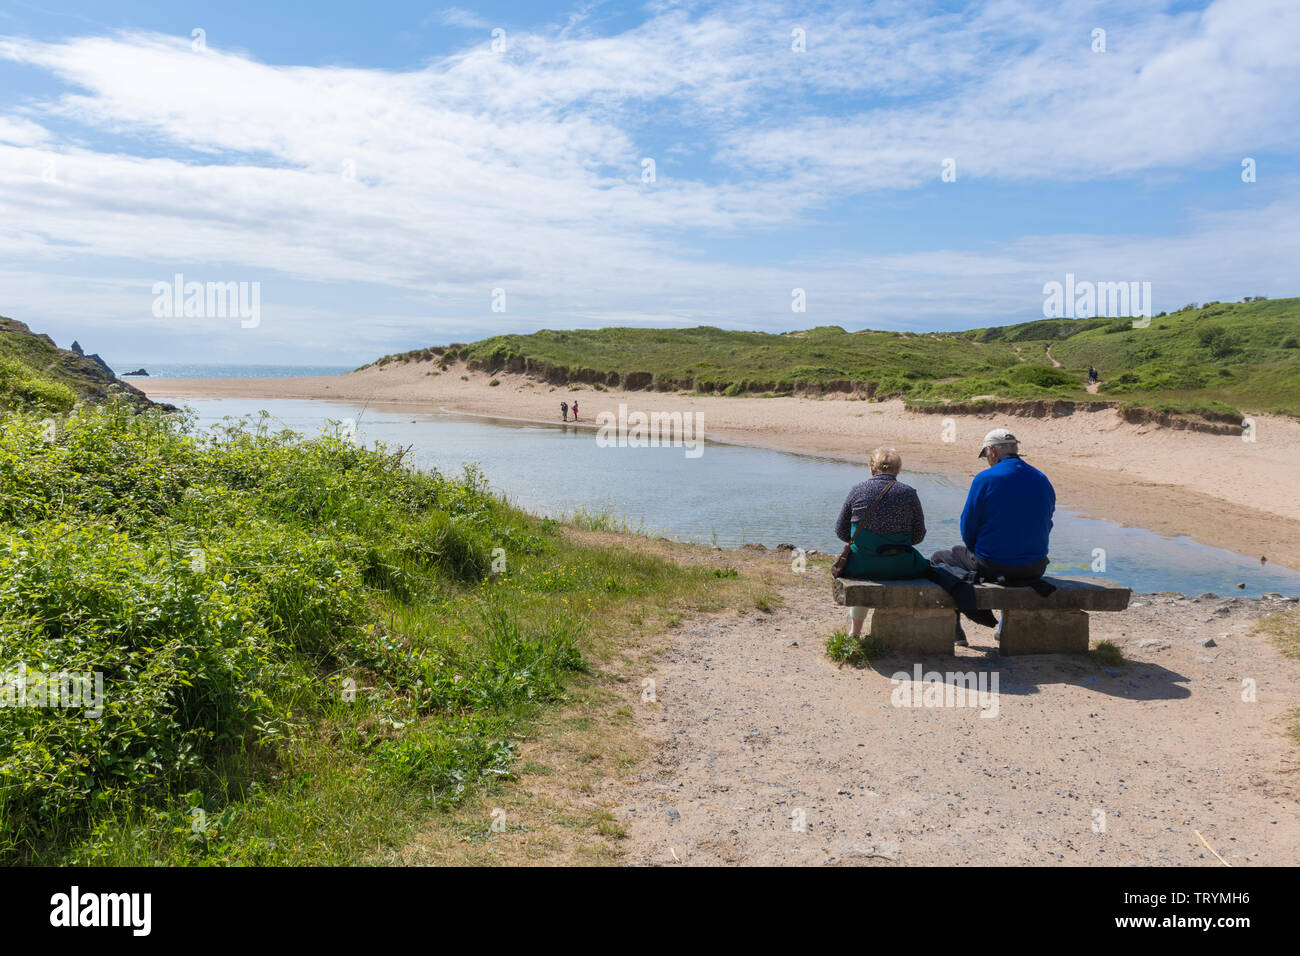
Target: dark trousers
(966, 559)
(963, 557)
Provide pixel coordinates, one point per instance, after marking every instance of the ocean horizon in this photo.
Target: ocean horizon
(201, 370)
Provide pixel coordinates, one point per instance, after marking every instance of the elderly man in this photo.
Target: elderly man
(1006, 522)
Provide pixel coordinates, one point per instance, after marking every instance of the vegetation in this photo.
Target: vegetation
(1284, 631)
(307, 647)
(1107, 654)
(1219, 356)
(1208, 360)
(36, 374)
(854, 651)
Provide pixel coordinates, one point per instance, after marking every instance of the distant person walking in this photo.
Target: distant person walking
(575, 411)
(564, 411)
(1092, 374)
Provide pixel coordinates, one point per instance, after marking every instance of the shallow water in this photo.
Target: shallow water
(733, 494)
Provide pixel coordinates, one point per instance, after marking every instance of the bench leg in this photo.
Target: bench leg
(1044, 632)
(922, 629)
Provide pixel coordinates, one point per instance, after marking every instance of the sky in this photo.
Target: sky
(377, 177)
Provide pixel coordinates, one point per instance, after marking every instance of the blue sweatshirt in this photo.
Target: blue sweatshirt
(1008, 513)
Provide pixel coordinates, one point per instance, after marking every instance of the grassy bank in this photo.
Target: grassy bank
(1284, 631)
(1211, 360)
(37, 374)
(310, 651)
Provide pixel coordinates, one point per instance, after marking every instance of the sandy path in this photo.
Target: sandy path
(754, 727)
(1243, 496)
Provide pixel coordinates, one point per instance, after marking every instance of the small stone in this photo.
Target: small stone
(1241, 584)
(1207, 642)
(672, 814)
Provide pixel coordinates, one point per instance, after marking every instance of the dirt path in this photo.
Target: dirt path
(755, 730)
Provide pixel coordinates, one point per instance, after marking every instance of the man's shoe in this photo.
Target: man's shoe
(960, 640)
(983, 617)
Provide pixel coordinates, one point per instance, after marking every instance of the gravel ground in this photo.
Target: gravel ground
(765, 752)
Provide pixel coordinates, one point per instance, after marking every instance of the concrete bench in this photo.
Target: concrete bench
(918, 614)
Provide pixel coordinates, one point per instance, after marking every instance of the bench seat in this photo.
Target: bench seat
(918, 614)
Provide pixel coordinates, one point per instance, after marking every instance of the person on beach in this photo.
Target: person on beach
(883, 550)
(1092, 374)
(575, 411)
(564, 411)
(1006, 522)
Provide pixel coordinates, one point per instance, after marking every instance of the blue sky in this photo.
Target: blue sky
(380, 169)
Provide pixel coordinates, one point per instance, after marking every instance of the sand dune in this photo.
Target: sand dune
(1243, 496)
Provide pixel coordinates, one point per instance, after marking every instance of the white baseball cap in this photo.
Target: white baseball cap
(999, 436)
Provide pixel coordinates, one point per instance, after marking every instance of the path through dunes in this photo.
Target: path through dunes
(755, 731)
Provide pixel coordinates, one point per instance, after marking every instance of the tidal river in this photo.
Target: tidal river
(733, 494)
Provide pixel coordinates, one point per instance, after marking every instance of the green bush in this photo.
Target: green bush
(215, 582)
(1042, 376)
(1219, 341)
(22, 388)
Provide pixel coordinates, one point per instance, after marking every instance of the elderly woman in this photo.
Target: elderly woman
(883, 550)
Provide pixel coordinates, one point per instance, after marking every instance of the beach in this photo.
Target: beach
(1220, 490)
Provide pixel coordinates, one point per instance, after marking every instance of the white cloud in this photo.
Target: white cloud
(522, 170)
(458, 17)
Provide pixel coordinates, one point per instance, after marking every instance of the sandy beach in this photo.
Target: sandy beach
(1221, 490)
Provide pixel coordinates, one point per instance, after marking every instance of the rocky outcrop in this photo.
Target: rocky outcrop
(88, 375)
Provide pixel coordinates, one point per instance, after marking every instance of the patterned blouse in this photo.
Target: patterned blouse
(899, 511)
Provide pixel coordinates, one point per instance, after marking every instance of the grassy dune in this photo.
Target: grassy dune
(1244, 355)
(1211, 360)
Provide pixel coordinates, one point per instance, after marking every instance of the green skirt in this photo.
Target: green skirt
(901, 560)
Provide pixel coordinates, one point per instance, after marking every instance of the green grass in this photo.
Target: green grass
(1218, 357)
(854, 651)
(37, 375)
(603, 520)
(1207, 361)
(1107, 654)
(1284, 631)
(729, 362)
(309, 649)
